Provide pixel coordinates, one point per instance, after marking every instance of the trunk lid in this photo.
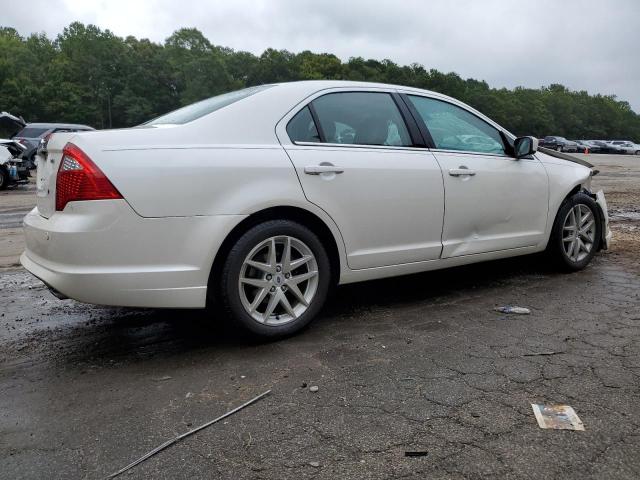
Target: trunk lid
(10, 124)
(48, 162)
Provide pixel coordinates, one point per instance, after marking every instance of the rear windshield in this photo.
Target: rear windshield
(205, 107)
(32, 132)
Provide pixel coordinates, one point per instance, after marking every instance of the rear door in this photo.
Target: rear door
(356, 159)
(493, 202)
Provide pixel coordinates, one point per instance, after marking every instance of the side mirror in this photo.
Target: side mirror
(525, 146)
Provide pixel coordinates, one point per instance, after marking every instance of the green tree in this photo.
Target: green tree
(88, 75)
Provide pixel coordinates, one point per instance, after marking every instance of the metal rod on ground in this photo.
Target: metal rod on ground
(186, 434)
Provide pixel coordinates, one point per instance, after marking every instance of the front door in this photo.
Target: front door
(493, 202)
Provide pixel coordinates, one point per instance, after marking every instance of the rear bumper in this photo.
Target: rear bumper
(102, 252)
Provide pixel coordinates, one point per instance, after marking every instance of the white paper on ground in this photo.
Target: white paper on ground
(558, 417)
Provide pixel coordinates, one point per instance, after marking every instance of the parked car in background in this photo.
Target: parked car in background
(12, 169)
(605, 147)
(560, 144)
(626, 146)
(31, 134)
(333, 182)
(10, 125)
(584, 147)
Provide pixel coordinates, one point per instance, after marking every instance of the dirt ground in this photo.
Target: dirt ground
(418, 363)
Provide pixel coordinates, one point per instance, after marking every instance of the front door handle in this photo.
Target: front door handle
(461, 171)
(322, 168)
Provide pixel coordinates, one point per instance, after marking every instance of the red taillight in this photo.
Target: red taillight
(80, 179)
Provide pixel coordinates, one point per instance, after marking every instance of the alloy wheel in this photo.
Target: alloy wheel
(278, 280)
(578, 232)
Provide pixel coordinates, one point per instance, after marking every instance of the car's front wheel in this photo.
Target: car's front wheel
(576, 232)
(275, 278)
(559, 148)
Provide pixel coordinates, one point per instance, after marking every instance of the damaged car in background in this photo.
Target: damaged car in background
(13, 170)
(293, 189)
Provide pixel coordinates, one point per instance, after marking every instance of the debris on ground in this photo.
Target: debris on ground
(539, 354)
(162, 379)
(186, 434)
(315, 464)
(513, 309)
(416, 454)
(558, 417)
(313, 388)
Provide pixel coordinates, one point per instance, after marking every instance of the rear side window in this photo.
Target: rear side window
(31, 132)
(302, 128)
(453, 128)
(205, 107)
(361, 118)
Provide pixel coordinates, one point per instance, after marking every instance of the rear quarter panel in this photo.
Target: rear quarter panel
(201, 180)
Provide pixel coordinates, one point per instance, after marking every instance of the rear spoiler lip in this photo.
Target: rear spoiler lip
(569, 158)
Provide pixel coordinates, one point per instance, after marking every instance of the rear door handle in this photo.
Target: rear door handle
(318, 169)
(461, 171)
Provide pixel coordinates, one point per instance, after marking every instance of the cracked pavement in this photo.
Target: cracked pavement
(418, 363)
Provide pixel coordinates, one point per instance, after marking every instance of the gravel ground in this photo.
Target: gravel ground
(419, 363)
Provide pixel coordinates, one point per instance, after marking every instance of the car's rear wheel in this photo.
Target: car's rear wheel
(559, 148)
(637, 152)
(276, 278)
(576, 232)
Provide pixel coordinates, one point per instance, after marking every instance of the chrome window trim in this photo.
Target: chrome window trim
(393, 147)
(358, 146)
(471, 152)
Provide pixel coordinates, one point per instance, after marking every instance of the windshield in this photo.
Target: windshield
(205, 107)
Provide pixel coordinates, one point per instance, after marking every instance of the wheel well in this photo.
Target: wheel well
(299, 215)
(573, 191)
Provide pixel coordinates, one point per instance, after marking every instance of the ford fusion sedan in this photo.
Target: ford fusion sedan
(280, 192)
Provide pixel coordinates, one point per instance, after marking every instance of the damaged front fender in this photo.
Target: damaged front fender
(604, 221)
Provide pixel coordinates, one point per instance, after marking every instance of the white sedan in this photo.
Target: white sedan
(265, 198)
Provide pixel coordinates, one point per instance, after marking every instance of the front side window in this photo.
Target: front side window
(361, 118)
(454, 128)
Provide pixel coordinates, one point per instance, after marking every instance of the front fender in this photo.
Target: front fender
(604, 220)
(565, 179)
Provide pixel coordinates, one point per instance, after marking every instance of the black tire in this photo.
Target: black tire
(229, 290)
(637, 152)
(4, 178)
(559, 148)
(556, 249)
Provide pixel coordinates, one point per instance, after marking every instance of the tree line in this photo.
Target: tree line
(91, 76)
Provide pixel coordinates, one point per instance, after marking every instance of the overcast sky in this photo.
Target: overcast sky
(591, 45)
